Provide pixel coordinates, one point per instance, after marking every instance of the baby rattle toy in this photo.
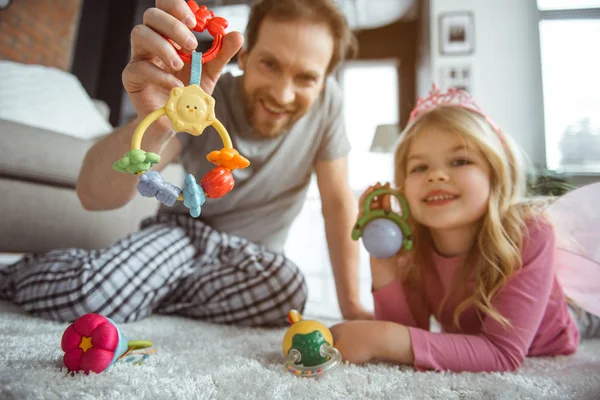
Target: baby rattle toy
(94, 343)
(384, 232)
(308, 347)
(190, 110)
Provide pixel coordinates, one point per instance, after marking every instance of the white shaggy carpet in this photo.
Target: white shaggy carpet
(197, 360)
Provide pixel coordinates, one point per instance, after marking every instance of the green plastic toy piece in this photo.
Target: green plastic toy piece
(369, 215)
(136, 161)
(309, 346)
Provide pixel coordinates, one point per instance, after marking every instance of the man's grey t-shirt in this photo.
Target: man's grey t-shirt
(269, 193)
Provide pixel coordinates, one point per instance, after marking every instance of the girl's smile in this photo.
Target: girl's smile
(439, 198)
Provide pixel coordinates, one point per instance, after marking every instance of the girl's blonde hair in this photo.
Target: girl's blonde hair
(496, 255)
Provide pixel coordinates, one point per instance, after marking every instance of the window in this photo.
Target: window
(370, 99)
(571, 82)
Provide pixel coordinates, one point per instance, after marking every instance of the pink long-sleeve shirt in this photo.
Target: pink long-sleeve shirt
(532, 300)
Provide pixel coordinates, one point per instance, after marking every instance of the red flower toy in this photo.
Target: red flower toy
(94, 343)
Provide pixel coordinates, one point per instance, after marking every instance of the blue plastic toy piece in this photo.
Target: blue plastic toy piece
(152, 184)
(193, 196)
(382, 238)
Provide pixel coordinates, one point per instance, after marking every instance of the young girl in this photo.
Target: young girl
(482, 261)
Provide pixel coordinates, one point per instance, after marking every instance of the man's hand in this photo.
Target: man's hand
(155, 67)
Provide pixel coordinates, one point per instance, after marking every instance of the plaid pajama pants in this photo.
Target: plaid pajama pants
(174, 265)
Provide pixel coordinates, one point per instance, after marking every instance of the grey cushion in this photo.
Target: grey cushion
(40, 211)
(39, 218)
(38, 155)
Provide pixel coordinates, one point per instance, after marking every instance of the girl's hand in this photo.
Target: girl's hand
(383, 271)
(379, 202)
(363, 341)
(357, 341)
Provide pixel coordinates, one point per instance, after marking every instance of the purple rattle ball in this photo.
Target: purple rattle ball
(382, 238)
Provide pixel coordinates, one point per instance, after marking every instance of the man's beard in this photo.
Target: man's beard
(251, 105)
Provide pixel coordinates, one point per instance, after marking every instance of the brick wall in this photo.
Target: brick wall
(39, 32)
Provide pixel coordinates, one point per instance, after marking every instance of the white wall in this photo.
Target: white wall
(505, 66)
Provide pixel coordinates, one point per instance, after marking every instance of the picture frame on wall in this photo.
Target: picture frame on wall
(457, 33)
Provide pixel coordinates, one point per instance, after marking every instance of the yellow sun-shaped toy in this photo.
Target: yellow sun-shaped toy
(190, 109)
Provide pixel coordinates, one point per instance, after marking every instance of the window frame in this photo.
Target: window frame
(576, 13)
(589, 13)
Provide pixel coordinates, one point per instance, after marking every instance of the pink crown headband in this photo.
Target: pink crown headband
(453, 97)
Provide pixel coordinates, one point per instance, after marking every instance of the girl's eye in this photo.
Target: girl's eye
(459, 162)
(418, 168)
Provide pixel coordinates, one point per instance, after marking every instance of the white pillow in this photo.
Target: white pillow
(48, 98)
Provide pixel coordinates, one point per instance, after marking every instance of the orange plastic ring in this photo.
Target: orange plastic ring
(205, 19)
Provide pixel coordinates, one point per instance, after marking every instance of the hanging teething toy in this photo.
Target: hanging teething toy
(308, 347)
(94, 343)
(384, 232)
(190, 110)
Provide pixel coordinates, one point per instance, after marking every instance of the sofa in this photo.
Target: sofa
(41, 154)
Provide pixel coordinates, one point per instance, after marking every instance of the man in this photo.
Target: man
(284, 114)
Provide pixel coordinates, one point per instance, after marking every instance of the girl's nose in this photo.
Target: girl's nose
(437, 175)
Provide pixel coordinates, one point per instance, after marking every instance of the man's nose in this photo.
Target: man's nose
(437, 175)
(283, 92)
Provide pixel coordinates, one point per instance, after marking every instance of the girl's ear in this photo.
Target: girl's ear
(241, 58)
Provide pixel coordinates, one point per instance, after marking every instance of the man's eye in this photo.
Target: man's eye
(269, 64)
(459, 162)
(307, 80)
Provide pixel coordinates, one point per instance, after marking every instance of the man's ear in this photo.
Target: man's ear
(241, 58)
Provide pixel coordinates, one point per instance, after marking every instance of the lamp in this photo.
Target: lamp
(385, 138)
